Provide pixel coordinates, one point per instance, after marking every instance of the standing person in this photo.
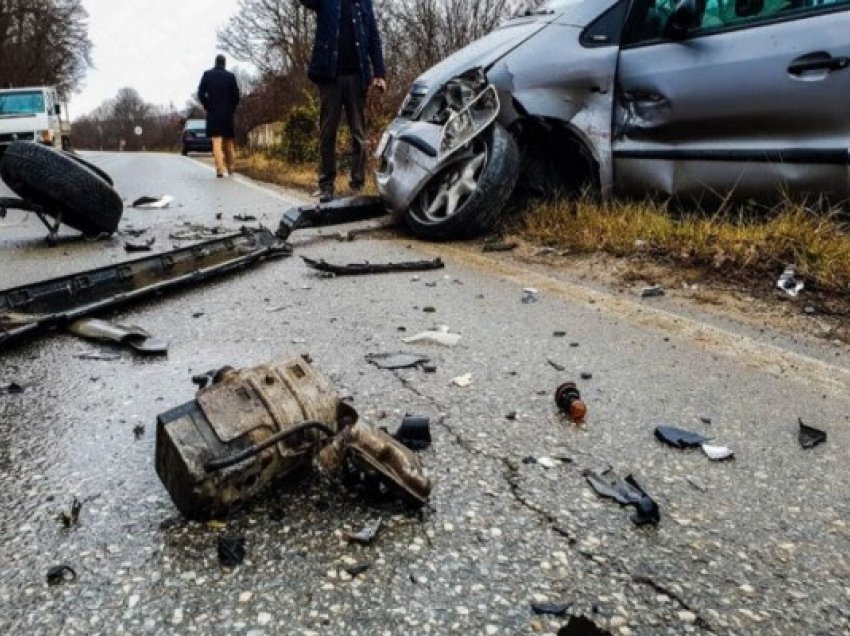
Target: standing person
(347, 59)
(219, 95)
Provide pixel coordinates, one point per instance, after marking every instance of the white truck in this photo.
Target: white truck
(34, 114)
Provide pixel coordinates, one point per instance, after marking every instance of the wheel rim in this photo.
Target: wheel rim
(450, 189)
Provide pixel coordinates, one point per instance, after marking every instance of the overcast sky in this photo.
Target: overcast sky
(158, 47)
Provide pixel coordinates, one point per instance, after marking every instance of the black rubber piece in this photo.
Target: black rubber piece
(62, 184)
(679, 438)
(809, 436)
(482, 209)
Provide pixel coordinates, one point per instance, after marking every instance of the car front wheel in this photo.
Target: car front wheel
(467, 196)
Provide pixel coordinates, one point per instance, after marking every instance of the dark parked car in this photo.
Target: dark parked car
(679, 99)
(194, 138)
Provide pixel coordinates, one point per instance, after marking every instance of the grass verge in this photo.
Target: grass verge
(735, 246)
(298, 176)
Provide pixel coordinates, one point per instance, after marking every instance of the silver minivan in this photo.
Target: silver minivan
(687, 99)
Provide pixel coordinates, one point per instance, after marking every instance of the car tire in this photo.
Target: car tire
(100, 173)
(62, 184)
(480, 179)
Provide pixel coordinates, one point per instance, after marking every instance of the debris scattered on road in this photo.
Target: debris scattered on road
(59, 574)
(547, 462)
(439, 336)
(679, 438)
(429, 310)
(357, 269)
(568, 399)
(560, 334)
(337, 212)
(718, 453)
(12, 388)
(368, 534)
(153, 203)
(652, 291)
(213, 376)
(357, 569)
(530, 295)
(586, 375)
(582, 626)
(555, 365)
(244, 218)
(511, 415)
(393, 361)
(145, 246)
(414, 432)
(789, 283)
(463, 381)
(626, 492)
(809, 436)
(553, 609)
(198, 233)
(231, 551)
(134, 337)
(499, 247)
(429, 367)
(705, 419)
(139, 431)
(100, 355)
(71, 517)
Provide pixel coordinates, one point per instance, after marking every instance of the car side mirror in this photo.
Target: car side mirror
(685, 17)
(57, 109)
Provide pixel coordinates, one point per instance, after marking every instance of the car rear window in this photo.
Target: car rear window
(196, 124)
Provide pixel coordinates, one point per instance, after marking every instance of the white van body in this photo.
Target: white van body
(33, 114)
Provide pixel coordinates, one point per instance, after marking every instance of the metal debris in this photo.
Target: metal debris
(231, 551)
(134, 337)
(626, 492)
(368, 534)
(679, 438)
(396, 360)
(146, 246)
(789, 283)
(359, 269)
(809, 436)
(337, 212)
(153, 203)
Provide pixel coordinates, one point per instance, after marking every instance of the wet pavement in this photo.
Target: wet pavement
(758, 545)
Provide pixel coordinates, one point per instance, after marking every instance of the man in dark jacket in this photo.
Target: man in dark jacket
(347, 59)
(219, 94)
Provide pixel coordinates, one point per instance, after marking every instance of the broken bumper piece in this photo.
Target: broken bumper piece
(30, 309)
(337, 212)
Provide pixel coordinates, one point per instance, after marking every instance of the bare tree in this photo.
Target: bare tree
(44, 42)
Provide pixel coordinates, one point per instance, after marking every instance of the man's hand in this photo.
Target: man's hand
(380, 83)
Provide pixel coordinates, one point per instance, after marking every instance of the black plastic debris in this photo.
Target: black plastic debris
(553, 609)
(396, 360)
(359, 269)
(12, 388)
(244, 218)
(560, 334)
(368, 534)
(153, 203)
(511, 416)
(809, 436)
(414, 432)
(499, 247)
(139, 431)
(582, 626)
(586, 375)
(626, 492)
(71, 517)
(144, 246)
(679, 438)
(652, 291)
(429, 367)
(231, 551)
(59, 574)
(358, 568)
(213, 376)
(556, 365)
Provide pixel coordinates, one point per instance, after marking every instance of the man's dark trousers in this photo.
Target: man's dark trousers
(344, 92)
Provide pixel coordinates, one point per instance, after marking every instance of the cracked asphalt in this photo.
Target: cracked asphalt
(757, 545)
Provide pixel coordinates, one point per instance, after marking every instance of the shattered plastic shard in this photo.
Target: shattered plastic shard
(789, 283)
(626, 492)
(463, 381)
(553, 609)
(809, 436)
(153, 203)
(718, 453)
(231, 551)
(367, 534)
(652, 292)
(414, 432)
(679, 438)
(443, 338)
(396, 360)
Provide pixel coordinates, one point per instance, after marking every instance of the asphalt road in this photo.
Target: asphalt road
(757, 545)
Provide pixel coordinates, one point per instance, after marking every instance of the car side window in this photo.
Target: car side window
(648, 18)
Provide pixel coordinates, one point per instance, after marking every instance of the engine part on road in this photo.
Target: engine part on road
(63, 186)
(374, 456)
(243, 432)
(568, 399)
(358, 269)
(336, 212)
(31, 309)
(626, 492)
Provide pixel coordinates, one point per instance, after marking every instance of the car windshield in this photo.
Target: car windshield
(196, 124)
(21, 103)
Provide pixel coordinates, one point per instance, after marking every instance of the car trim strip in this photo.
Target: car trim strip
(831, 156)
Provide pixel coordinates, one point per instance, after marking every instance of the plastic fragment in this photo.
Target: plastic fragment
(368, 534)
(789, 283)
(582, 626)
(679, 438)
(357, 569)
(439, 337)
(499, 247)
(463, 381)
(59, 574)
(231, 551)
(554, 609)
(396, 360)
(153, 203)
(809, 436)
(530, 295)
(144, 246)
(652, 291)
(244, 218)
(414, 432)
(718, 453)
(359, 269)
(626, 492)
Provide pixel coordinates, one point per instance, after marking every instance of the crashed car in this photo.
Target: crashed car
(693, 100)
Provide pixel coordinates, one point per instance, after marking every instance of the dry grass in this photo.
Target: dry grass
(817, 244)
(302, 176)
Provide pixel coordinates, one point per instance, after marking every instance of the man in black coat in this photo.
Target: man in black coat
(219, 94)
(347, 59)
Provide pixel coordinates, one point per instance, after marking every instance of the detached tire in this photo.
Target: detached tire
(63, 183)
(466, 198)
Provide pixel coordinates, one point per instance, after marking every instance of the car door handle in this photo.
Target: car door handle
(820, 61)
